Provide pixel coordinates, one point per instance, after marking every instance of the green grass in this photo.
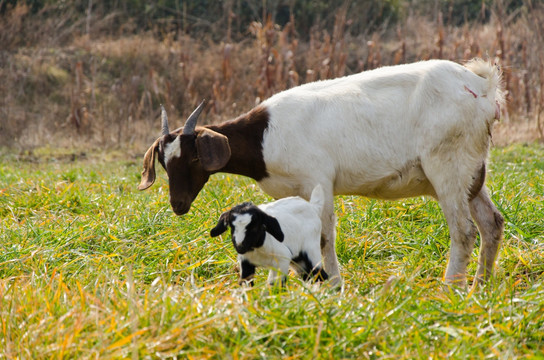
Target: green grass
(92, 268)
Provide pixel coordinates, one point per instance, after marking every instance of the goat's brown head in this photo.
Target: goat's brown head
(189, 155)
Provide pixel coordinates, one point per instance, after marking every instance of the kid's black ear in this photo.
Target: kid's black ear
(221, 226)
(273, 227)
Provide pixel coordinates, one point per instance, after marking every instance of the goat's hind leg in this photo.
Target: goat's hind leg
(462, 234)
(451, 192)
(491, 225)
(308, 266)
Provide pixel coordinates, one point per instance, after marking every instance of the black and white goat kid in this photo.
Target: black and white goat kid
(276, 235)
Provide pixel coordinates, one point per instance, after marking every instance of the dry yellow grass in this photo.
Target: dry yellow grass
(106, 90)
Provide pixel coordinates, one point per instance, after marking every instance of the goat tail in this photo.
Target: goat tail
(495, 84)
(317, 199)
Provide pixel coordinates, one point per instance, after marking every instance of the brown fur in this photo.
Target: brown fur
(245, 135)
(234, 147)
(213, 149)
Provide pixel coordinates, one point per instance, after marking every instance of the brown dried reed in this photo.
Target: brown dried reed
(106, 90)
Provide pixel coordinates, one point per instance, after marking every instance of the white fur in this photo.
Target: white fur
(172, 150)
(240, 223)
(300, 222)
(393, 132)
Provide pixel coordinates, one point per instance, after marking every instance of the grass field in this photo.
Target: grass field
(92, 268)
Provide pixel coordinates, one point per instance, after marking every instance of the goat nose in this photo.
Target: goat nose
(180, 208)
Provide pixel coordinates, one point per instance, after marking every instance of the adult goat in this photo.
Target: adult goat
(390, 133)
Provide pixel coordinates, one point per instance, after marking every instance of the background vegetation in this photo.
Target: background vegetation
(92, 73)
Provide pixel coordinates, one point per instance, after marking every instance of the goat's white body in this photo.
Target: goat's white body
(369, 133)
(300, 223)
(394, 132)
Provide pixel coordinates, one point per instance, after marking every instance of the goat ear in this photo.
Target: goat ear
(221, 226)
(213, 149)
(148, 174)
(273, 227)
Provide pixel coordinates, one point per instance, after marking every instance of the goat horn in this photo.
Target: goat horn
(164, 120)
(190, 124)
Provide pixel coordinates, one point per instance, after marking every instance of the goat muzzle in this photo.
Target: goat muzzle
(180, 208)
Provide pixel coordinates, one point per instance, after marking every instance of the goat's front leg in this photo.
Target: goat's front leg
(247, 272)
(491, 225)
(279, 273)
(276, 278)
(328, 239)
